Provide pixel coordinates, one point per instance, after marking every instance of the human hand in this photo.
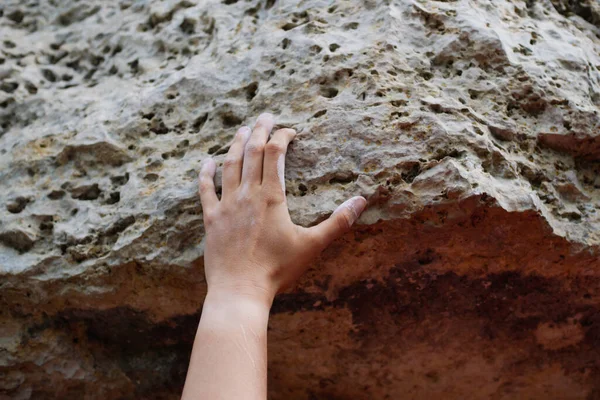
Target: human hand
(252, 246)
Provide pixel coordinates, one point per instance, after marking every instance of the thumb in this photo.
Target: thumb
(339, 222)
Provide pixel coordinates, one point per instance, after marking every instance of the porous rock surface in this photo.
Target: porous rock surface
(471, 126)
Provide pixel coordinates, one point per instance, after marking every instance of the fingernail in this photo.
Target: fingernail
(356, 205)
(209, 166)
(265, 119)
(244, 130)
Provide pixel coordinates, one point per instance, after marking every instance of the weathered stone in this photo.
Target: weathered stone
(471, 126)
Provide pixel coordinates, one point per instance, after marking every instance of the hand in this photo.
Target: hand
(252, 246)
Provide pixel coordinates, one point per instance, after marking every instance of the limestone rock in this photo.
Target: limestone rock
(471, 126)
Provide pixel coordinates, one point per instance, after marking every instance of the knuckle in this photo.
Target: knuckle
(244, 196)
(274, 148)
(273, 196)
(344, 221)
(255, 149)
(209, 217)
(205, 185)
(231, 161)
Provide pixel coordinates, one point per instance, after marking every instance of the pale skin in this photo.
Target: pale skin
(253, 250)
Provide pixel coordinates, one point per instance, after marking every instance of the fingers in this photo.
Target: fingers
(274, 161)
(232, 166)
(254, 151)
(339, 222)
(206, 185)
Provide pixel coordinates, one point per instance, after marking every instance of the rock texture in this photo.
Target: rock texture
(472, 127)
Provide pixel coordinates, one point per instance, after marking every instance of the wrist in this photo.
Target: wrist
(226, 310)
(241, 292)
(240, 295)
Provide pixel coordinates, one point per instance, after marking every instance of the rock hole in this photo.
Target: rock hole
(134, 65)
(96, 60)
(188, 26)
(56, 194)
(289, 26)
(251, 90)
(269, 4)
(427, 258)
(86, 192)
(351, 25)
(113, 198)
(333, 47)
(158, 127)
(17, 240)
(199, 122)
(426, 75)
(9, 87)
(412, 173)
(342, 178)
(151, 177)
(5, 104)
(303, 189)
(46, 225)
(30, 87)
(16, 16)
(230, 120)
(315, 49)
(214, 149)
(120, 180)
(17, 205)
(398, 103)
(285, 43)
(49, 75)
(319, 113)
(74, 65)
(229, 2)
(328, 92)
(120, 225)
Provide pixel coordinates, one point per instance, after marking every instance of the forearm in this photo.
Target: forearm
(229, 358)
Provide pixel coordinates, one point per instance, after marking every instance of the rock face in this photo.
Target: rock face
(471, 126)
